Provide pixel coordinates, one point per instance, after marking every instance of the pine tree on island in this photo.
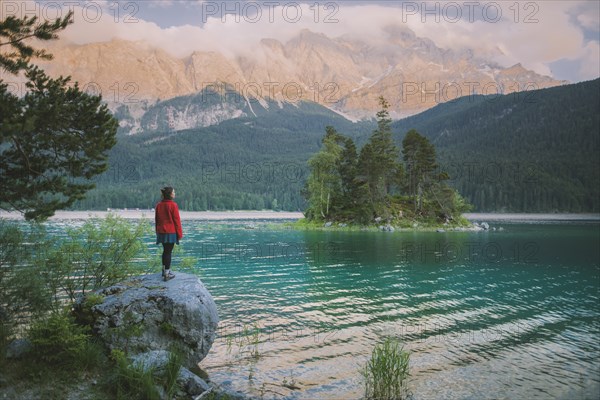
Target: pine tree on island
(374, 186)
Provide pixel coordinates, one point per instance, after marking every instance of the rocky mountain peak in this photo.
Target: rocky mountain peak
(344, 73)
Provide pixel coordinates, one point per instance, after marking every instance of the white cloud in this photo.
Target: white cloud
(588, 15)
(590, 68)
(161, 3)
(589, 21)
(533, 36)
(557, 34)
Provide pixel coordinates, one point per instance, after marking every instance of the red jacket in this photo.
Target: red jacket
(166, 216)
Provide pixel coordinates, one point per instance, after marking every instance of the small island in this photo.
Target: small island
(374, 189)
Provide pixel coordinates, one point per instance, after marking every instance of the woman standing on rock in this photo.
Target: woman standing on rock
(168, 228)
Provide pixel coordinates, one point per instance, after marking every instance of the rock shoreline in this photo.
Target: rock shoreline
(442, 228)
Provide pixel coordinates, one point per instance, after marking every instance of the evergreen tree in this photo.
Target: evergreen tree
(347, 166)
(425, 183)
(355, 195)
(379, 160)
(324, 184)
(15, 31)
(55, 138)
(419, 159)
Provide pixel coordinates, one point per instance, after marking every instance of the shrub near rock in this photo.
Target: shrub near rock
(57, 338)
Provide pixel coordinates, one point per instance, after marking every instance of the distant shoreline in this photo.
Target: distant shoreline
(531, 217)
(185, 215)
(288, 215)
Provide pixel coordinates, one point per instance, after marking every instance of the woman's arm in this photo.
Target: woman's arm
(177, 221)
(156, 218)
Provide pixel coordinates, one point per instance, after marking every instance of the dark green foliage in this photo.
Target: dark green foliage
(57, 378)
(137, 381)
(23, 291)
(132, 381)
(379, 159)
(167, 328)
(55, 138)
(532, 151)
(98, 254)
(58, 339)
(324, 185)
(38, 276)
(419, 158)
(11, 238)
(169, 378)
(38, 281)
(90, 356)
(356, 201)
(15, 54)
(83, 313)
(346, 189)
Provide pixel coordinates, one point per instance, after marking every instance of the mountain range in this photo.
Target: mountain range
(235, 132)
(344, 74)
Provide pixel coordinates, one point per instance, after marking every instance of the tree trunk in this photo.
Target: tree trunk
(321, 199)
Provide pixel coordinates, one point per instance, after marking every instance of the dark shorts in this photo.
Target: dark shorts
(166, 238)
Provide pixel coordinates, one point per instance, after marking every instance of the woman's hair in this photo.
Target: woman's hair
(167, 191)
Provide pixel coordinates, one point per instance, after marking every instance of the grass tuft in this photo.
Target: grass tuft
(133, 381)
(386, 372)
(172, 372)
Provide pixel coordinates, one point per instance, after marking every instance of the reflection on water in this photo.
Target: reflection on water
(505, 314)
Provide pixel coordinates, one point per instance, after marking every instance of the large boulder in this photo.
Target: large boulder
(145, 313)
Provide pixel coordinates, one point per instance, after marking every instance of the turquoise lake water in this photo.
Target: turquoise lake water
(511, 314)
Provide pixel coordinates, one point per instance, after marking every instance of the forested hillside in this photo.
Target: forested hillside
(536, 151)
(243, 163)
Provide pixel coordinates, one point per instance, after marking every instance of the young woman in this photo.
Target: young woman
(168, 228)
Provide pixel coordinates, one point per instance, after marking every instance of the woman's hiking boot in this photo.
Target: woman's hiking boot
(168, 275)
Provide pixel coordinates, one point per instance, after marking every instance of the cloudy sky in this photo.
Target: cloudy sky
(556, 38)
